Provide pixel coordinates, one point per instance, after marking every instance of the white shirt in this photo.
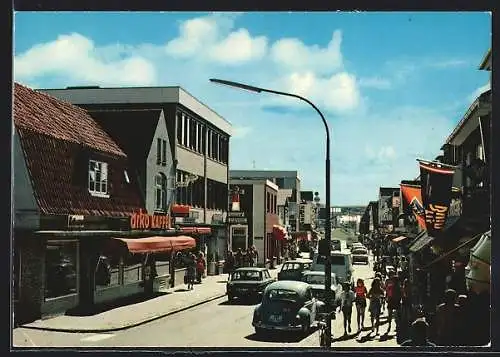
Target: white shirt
(347, 298)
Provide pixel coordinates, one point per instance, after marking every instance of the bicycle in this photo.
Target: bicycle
(322, 318)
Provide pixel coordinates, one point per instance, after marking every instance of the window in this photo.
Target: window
(98, 178)
(107, 270)
(164, 153)
(158, 151)
(247, 275)
(132, 271)
(204, 140)
(184, 130)
(268, 202)
(61, 269)
(215, 146)
(160, 192)
(200, 138)
(179, 128)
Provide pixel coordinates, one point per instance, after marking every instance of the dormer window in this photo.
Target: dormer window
(98, 178)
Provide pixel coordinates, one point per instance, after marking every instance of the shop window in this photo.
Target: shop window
(160, 192)
(238, 238)
(61, 269)
(98, 178)
(132, 271)
(107, 269)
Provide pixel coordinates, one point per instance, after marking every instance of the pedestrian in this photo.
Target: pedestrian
(393, 297)
(191, 271)
(347, 298)
(403, 331)
(375, 294)
(239, 258)
(200, 267)
(361, 294)
(446, 320)
(255, 255)
(419, 332)
(229, 262)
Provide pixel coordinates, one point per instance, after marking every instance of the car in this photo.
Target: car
(287, 306)
(317, 281)
(341, 263)
(359, 255)
(248, 282)
(293, 269)
(336, 244)
(357, 245)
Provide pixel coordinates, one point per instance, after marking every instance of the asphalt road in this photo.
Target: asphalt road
(215, 324)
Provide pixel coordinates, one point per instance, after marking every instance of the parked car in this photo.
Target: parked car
(248, 283)
(359, 255)
(287, 306)
(317, 281)
(336, 244)
(357, 245)
(293, 269)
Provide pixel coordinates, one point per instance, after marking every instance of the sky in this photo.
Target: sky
(392, 86)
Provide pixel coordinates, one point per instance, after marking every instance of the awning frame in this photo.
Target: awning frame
(158, 244)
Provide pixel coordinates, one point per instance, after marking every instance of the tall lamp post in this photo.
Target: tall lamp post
(328, 228)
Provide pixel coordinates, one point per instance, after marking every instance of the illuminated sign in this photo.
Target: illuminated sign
(143, 220)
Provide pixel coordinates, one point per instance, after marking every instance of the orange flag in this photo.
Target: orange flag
(413, 197)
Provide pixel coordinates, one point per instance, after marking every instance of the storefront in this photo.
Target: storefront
(92, 260)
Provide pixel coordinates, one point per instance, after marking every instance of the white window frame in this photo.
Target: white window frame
(161, 187)
(103, 173)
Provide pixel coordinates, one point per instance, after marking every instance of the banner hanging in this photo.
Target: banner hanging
(436, 183)
(413, 197)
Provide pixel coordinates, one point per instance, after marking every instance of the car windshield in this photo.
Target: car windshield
(359, 251)
(282, 294)
(335, 259)
(314, 279)
(246, 275)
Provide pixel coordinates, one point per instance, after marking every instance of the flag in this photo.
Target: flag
(436, 184)
(413, 197)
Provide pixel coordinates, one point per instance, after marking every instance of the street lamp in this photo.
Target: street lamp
(328, 228)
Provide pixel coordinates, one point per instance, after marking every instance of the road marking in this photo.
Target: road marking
(98, 337)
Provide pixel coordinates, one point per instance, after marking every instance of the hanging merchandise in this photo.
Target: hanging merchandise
(478, 271)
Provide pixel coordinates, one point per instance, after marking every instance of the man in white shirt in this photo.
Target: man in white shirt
(347, 298)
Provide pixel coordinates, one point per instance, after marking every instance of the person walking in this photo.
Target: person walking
(361, 294)
(403, 331)
(446, 319)
(375, 294)
(191, 271)
(419, 333)
(347, 298)
(229, 262)
(238, 258)
(393, 298)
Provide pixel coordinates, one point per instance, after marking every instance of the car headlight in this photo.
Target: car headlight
(297, 317)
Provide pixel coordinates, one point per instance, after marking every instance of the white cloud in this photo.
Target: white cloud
(241, 131)
(239, 47)
(375, 82)
(75, 57)
(448, 63)
(293, 54)
(194, 36)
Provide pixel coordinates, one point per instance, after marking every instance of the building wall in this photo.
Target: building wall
(190, 161)
(26, 213)
(31, 285)
(216, 171)
(152, 168)
(259, 224)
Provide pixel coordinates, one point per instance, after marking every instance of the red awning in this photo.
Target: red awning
(399, 239)
(158, 244)
(180, 209)
(196, 230)
(279, 232)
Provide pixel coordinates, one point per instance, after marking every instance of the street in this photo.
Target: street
(214, 324)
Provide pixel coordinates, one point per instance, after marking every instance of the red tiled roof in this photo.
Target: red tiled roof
(45, 114)
(52, 140)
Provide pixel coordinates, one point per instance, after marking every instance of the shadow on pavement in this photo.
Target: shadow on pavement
(130, 300)
(243, 302)
(345, 337)
(386, 337)
(222, 281)
(278, 336)
(368, 337)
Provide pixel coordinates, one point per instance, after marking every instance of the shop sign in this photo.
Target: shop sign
(142, 220)
(75, 221)
(236, 218)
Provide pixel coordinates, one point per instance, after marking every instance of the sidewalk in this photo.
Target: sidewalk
(173, 300)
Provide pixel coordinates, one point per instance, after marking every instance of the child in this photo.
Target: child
(347, 298)
(361, 293)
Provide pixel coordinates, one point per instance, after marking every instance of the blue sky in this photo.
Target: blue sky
(391, 85)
